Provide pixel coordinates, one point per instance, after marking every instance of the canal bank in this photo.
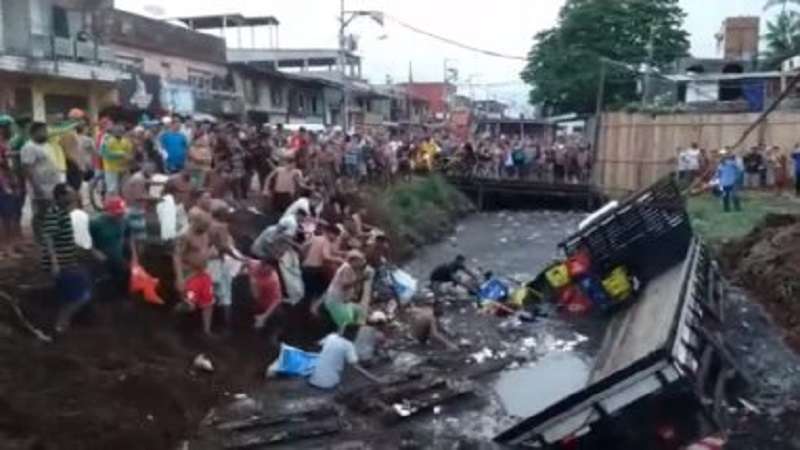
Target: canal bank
(513, 368)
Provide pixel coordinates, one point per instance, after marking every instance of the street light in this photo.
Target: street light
(345, 19)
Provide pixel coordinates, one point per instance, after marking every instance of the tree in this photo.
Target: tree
(783, 33)
(783, 39)
(564, 64)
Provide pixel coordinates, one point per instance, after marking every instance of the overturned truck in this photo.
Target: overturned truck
(662, 376)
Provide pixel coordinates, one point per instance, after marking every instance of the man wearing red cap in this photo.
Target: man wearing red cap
(108, 231)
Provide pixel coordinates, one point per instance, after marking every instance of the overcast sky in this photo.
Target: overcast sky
(505, 26)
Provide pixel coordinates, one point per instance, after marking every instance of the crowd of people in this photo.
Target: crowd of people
(566, 160)
(179, 183)
(760, 168)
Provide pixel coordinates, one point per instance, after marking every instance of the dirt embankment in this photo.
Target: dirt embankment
(122, 378)
(767, 263)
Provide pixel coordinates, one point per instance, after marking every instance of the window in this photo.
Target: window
(129, 62)
(60, 22)
(314, 105)
(200, 79)
(276, 95)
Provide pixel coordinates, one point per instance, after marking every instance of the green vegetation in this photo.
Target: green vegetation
(717, 227)
(783, 33)
(417, 212)
(564, 64)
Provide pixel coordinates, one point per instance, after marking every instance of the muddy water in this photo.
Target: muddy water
(528, 390)
(552, 354)
(558, 350)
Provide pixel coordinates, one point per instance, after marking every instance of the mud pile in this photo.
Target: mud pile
(767, 263)
(121, 378)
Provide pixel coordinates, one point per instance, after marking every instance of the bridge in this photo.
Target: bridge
(521, 193)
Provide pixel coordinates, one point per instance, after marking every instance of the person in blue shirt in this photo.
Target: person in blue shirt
(176, 146)
(729, 174)
(796, 160)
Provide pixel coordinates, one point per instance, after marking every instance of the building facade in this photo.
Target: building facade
(438, 96)
(170, 69)
(51, 61)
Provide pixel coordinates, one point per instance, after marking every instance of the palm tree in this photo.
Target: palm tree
(783, 38)
(784, 4)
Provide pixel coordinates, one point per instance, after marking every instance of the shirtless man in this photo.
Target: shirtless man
(224, 257)
(283, 184)
(319, 252)
(192, 252)
(424, 321)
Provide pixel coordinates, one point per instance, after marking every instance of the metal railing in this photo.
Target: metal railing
(44, 46)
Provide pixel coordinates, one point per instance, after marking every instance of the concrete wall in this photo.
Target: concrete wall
(128, 30)
(637, 149)
(16, 26)
(178, 67)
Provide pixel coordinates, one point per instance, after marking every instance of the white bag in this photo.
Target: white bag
(167, 218)
(405, 286)
(292, 277)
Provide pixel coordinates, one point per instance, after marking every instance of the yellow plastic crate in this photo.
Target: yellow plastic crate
(618, 284)
(558, 276)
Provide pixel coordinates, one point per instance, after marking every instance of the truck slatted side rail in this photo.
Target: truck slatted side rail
(648, 232)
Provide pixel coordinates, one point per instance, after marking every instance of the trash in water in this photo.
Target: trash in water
(437, 410)
(406, 361)
(482, 355)
(402, 410)
(464, 342)
(201, 362)
(503, 240)
(529, 342)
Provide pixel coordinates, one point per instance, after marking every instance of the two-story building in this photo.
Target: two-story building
(170, 67)
(50, 59)
(273, 97)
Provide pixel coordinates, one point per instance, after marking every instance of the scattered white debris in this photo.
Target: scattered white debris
(437, 410)
(201, 362)
(529, 342)
(402, 410)
(750, 407)
(482, 355)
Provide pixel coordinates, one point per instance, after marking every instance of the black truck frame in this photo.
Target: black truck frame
(662, 377)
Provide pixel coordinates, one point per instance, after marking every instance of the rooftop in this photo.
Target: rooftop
(213, 22)
(290, 56)
(710, 77)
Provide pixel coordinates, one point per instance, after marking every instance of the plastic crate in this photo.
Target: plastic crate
(558, 276)
(618, 284)
(648, 232)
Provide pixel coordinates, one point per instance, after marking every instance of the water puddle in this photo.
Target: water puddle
(529, 390)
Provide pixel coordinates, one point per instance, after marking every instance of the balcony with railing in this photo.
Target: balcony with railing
(87, 51)
(80, 58)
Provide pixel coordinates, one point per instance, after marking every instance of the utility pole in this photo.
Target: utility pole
(342, 71)
(648, 77)
(598, 121)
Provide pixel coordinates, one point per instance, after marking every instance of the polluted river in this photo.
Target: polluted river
(506, 368)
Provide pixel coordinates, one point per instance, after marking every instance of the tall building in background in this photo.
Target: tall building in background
(740, 38)
(50, 59)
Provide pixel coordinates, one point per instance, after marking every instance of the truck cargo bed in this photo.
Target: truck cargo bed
(660, 349)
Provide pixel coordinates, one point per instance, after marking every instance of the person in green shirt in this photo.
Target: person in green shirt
(117, 153)
(109, 236)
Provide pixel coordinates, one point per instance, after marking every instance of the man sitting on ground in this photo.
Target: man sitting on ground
(337, 350)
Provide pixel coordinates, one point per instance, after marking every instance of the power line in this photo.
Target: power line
(454, 42)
